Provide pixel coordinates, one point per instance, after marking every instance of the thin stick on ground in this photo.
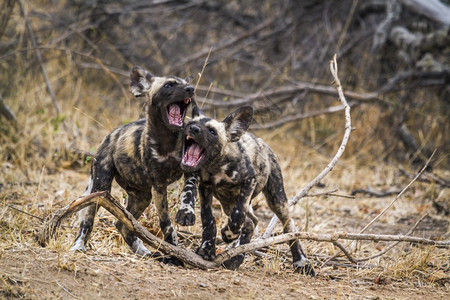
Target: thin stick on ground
(329, 167)
(400, 194)
(389, 205)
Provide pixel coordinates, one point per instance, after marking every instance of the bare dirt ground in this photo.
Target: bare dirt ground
(109, 270)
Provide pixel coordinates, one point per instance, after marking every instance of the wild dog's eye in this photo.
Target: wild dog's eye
(168, 85)
(213, 131)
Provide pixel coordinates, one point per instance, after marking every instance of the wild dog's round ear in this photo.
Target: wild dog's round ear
(140, 81)
(237, 123)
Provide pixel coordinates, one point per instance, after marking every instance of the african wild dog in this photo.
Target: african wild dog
(143, 156)
(235, 166)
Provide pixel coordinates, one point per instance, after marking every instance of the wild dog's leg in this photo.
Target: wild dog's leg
(159, 194)
(136, 204)
(102, 174)
(207, 249)
(245, 238)
(186, 213)
(238, 214)
(278, 203)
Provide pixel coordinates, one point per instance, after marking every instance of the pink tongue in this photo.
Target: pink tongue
(192, 155)
(174, 115)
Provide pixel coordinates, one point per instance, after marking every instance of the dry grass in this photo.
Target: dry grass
(39, 173)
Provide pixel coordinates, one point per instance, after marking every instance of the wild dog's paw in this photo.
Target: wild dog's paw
(234, 262)
(304, 268)
(228, 235)
(208, 253)
(185, 217)
(172, 260)
(78, 245)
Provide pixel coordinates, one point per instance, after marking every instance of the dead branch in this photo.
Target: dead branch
(6, 111)
(108, 202)
(289, 90)
(229, 41)
(429, 178)
(39, 57)
(432, 9)
(6, 8)
(300, 116)
(370, 191)
(329, 167)
(393, 10)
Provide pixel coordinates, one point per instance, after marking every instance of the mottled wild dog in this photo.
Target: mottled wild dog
(235, 166)
(143, 156)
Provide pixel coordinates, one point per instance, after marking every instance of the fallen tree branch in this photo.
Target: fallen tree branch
(432, 9)
(329, 167)
(108, 202)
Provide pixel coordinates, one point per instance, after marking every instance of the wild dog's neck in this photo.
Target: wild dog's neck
(157, 135)
(229, 154)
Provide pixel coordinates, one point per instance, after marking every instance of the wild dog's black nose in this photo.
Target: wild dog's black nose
(194, 130)
(189, 89)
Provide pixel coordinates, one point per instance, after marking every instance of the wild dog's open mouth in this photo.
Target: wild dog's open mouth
(176, 112)
(193, 153)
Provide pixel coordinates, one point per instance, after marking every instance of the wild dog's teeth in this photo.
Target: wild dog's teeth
(187, 100)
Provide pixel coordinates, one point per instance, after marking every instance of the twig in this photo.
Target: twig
(24, 212)
(431, 178)
(329, 167)
(393, 244)
(225, 43)
(66, 290)
(391, 203)
(400, 194)
(299, 116)
(6, 111)
(372, 192)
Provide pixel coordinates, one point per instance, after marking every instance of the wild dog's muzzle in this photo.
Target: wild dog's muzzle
(176, 112)
(193, 153)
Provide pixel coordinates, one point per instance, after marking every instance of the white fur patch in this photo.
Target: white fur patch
(156, 84)
(301, 262)
(139, 248)
(161, 158)
(89, 187)
(186, 207)
(220, 128)
(79, 244)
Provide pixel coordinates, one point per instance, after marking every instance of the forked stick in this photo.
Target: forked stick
(329, 167)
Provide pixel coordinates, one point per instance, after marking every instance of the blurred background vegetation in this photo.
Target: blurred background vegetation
(393, 64)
